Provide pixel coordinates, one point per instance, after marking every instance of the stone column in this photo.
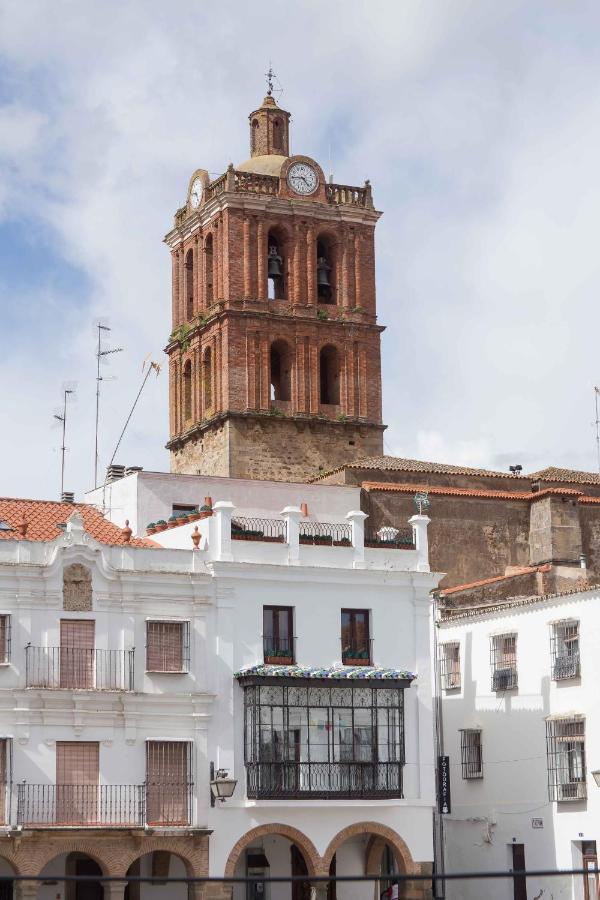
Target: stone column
(261, 261)
(114, 890)
(247, 261)
(311, 266)
(220, 531)
(357, 521)
(26, 890)
(419, 525)
(292, 516)
(318, 890)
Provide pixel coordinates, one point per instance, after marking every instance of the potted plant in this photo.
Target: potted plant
(172, 523)
(161, 525)
(205, 511)
(151, 528)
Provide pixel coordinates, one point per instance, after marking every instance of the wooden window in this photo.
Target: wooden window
(168, 782)
(167, 646)
(471, 753)
(77, 662)
(356, 642)
(4, 639)
(278, 634)
(450, 665)
(77, 778)
(565, 748)
(503, 661)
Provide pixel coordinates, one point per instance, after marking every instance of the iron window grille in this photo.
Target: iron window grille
(356, 637)
(167, 646)
(450, 665)
(503, 660)
(169, 785)
(565, 749)
(337, 741)
(471, 756)
(278, 634)
(564, 649)
(5, 633)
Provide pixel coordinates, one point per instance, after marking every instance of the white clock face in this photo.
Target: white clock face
(196, 193)
(302, 178)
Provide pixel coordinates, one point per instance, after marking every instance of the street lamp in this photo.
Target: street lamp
(221, 785)
(596, 775)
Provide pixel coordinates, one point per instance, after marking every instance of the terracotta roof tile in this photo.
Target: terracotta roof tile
(469, 492)
(43, 518)
(399, 464)
(524, 570)
(553, 473)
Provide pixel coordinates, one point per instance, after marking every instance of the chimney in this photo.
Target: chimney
(131, 470)
(67, 497)
(23, 526)
(114, 473)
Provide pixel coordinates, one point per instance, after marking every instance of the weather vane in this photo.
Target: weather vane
(422, 501)
(269, 76)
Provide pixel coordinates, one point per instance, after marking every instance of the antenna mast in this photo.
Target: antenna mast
(100, 353)
(62, 417)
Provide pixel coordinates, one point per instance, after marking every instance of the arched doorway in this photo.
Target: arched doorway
(273, 850)
(74, 863)
(7, 889)
(368, 848)
(159, 864)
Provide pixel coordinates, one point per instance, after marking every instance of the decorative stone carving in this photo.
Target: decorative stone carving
(77, 588)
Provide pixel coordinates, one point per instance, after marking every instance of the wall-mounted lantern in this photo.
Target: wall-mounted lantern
(221, 785)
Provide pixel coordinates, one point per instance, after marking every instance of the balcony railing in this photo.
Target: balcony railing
(389, 538)
(300, 780)
(279, 651)
(103, 806)
(327, 534)
(76, 669)
(244, 528)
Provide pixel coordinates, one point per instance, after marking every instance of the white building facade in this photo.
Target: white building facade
(518, 683)
(288, 653)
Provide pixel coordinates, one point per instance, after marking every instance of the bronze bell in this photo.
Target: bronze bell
(275, 264)
(323, 270)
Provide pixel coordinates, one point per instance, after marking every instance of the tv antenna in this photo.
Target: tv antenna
(101, 326)
(68, 391)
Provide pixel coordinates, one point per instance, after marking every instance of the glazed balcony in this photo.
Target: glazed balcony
(323, 780)
(104, 806)
(73, 668)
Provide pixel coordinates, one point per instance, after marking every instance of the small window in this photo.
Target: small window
(564, 649)
(167, 646)
(356, 641)
(470, 753)
(565, 748)
(503, 660)
(278, 634)
(450, 665)
(4, 639)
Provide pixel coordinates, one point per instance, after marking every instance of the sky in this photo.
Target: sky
(478, 124)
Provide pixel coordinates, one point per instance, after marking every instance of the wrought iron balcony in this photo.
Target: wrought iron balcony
(336, 780)
(104, 806)
(76, 669)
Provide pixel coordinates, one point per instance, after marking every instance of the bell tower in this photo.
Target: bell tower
(274, 356)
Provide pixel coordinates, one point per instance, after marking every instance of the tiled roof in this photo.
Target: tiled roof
(481, 493)
(553, 473)
(453, 615)
(43, 518)
(399, 464)
(368, 673)
(524, 570)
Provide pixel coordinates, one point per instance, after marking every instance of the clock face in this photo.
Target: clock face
(196, 193)
(302, 178)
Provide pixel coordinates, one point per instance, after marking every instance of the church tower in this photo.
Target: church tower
(274, 357)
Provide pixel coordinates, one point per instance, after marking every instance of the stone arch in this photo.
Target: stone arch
(87, 848)
(304, 844)
(192, 870)
(10, 857)
(377, 831)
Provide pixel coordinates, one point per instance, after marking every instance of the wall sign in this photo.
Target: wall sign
(537, 823)
(444, 784)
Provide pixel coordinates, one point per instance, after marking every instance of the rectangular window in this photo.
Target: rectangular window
(168, 782)
(77, 778)
(565, 747)
(77, 653)
(564, 649)
(278, 634)
(450, 665)
(470, 753)
(4, 639)
(503, 660)
(167, 646)
(356, 641)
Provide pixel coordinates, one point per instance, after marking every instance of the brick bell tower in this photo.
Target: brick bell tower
(274, 357)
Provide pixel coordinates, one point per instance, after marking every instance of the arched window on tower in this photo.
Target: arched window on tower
(277, 282)
(329, 375)
(281, 371)
(254, 134)
(187, 392)
(207, 393)
(277, 135)
(326, 279)
(208, 262)
(189, 284)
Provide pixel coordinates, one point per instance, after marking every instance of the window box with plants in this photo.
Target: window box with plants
(322, 540)
(161, 525)
(279, 656)
(354, 657)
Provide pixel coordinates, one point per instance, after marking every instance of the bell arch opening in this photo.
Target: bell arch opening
(326, 270)
(207, 391)
(277, 281)
(329, 376)
(208, 267)
(280, 363)
(189, 284)
(187, 392)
